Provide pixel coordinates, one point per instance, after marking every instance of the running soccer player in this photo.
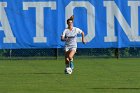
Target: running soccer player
(70, 37)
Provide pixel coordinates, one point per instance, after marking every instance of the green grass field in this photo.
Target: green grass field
(89, 76)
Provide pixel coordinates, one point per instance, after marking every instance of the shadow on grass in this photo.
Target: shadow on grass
(44, 73)
(41, 73)
(116, 88)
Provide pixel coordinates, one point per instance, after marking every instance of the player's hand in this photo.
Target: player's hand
(83, 41)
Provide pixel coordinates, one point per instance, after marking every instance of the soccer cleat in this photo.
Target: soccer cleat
(71, 65)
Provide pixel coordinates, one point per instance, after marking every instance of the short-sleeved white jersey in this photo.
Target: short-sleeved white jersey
(72, 36)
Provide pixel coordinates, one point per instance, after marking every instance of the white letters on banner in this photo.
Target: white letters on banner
(112, 12)
(39, 6)
(9, 37)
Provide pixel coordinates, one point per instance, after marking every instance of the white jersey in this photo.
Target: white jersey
(72, 37)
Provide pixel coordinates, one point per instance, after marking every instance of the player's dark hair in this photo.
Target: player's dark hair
(69, 20)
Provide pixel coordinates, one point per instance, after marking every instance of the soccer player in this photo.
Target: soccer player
(70, 37)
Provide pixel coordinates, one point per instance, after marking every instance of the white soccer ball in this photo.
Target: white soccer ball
(68, 70)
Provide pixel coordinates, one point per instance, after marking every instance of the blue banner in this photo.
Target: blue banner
(40, 23)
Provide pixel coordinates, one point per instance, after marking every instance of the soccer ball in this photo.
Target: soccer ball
(68, 70)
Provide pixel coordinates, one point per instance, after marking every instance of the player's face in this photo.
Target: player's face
(70, 23)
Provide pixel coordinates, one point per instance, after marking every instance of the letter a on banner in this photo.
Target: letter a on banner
(9, 37)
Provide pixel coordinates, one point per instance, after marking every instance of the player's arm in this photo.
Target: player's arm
(83, 39)
(63, 37)
(79, 31)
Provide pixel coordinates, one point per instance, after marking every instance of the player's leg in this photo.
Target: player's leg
(71, 55)
(66, 61)
(67, 58)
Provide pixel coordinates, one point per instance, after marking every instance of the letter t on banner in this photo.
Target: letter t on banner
(39, 6)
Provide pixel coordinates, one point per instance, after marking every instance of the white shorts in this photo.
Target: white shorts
(70, 48)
